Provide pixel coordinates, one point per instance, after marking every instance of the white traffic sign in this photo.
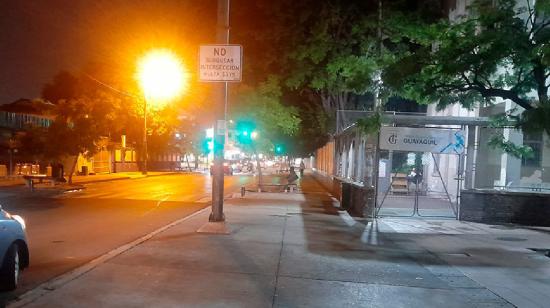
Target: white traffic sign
(220, 63)
(434, 140)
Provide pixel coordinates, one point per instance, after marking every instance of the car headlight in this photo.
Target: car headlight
(20, 220)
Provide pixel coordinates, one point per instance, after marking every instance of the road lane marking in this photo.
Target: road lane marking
(158, 205)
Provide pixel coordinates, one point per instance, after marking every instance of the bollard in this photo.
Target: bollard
(243, 191)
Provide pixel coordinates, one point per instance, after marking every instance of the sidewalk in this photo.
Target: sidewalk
(297, 250)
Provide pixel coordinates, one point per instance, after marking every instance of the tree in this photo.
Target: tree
(499, 51)
(63, 86)
(90, 109)
(78, 128)
(32, 143)
(271, 119)
(191, 140)
(323, 52)
(85, 114)
(161, 129)
(311, 136)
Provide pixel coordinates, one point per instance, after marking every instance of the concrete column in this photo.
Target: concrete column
(510, 167)
(471, 148)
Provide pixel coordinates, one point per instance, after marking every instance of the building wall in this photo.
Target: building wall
(19, 121)
(324, 159)
(102, 162)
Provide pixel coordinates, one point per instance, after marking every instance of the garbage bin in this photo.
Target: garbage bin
(84, 170)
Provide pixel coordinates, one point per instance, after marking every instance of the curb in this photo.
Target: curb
(59, 281)
(91, 181)
(163, 174)
(127, 178)
(103, 180)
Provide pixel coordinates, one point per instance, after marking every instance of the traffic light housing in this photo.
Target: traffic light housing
(207, 145)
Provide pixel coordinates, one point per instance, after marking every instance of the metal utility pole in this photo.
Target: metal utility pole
(10, 172)
(220, 92)
(145, 153)
(378, 108)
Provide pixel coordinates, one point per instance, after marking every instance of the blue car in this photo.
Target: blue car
(14, 252)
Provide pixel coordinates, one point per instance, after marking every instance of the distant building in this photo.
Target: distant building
(362, 177)
(23, 113)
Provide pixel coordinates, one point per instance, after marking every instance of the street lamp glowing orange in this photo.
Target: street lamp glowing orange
(161, 75)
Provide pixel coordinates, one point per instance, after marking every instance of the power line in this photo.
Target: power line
(112, 88)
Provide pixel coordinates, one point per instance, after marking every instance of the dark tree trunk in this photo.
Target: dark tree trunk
(187, 160)
(72, 169)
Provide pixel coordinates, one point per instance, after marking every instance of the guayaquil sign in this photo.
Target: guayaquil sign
(433, 140)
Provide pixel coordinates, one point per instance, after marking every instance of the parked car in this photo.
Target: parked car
(237, 166)
(14, 252)
(227, 168)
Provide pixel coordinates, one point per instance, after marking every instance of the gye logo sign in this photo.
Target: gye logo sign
(434, 140)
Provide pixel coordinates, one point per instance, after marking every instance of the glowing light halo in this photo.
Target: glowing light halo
(161, 75)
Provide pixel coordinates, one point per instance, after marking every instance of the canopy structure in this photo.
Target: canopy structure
(346, 119)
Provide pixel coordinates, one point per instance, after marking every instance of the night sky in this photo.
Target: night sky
(42, 37)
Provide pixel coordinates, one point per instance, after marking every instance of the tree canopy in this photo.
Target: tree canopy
(88, 110)
(263, 106)
(498, 51)
(324, 54)
(314, 47)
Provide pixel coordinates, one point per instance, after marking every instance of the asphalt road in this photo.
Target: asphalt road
(69, 229)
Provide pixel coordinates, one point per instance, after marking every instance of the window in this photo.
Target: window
(534, 140)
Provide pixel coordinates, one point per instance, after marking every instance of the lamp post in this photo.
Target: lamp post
(145, 152)
(162, 77)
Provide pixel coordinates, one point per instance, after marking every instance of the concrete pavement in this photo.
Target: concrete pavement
(298, 250)
(67, 230)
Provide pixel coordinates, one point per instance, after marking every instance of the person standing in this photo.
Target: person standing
(302, 168)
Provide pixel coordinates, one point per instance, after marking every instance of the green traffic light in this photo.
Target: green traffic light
(245, 131)
(207, 145)
(279, 149)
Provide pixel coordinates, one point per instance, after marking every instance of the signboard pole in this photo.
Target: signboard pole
(220, 96)
(376, 172)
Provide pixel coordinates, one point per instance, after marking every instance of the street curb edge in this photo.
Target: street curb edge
(57, 282)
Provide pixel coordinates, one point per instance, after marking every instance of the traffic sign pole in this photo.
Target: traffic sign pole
(220, 63)
(220, 90)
